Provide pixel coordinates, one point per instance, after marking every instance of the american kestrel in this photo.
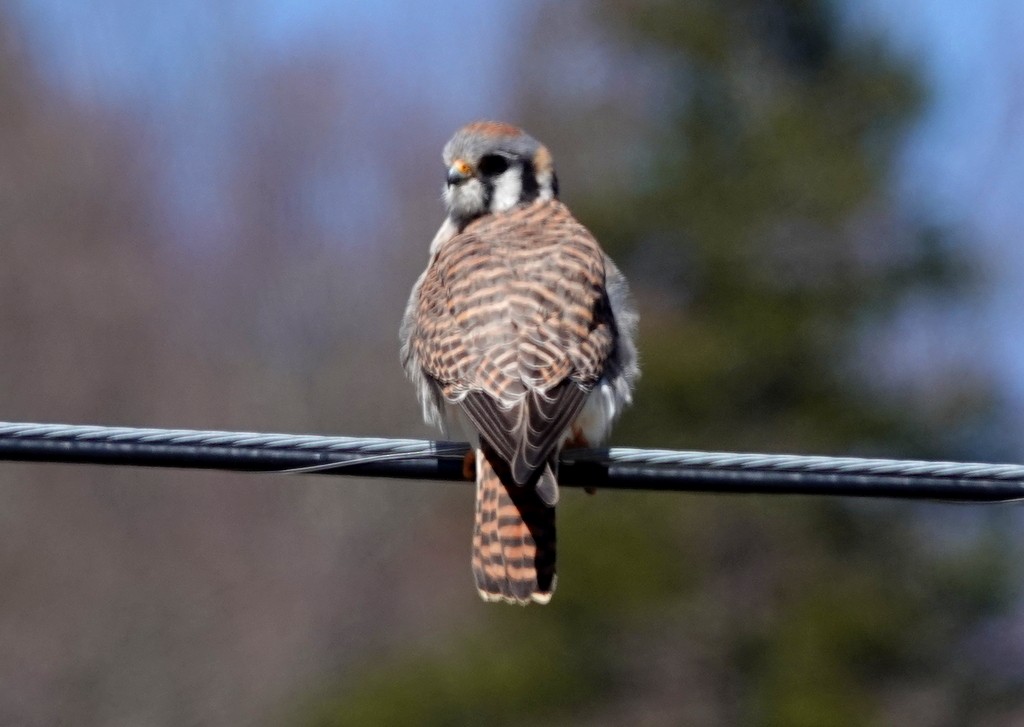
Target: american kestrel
(520, 331)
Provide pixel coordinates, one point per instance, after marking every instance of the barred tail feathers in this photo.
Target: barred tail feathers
(513, 535)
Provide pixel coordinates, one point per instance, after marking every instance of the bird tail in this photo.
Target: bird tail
(513, 536)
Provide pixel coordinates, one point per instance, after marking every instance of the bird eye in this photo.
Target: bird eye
(492, 164)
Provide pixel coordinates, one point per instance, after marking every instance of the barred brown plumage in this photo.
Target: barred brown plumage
(520, 329)
(513, 537)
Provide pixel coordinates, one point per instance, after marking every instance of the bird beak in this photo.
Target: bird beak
(459, 172)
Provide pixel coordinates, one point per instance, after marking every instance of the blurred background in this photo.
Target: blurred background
(211, 214)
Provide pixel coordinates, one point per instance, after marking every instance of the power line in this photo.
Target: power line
(616, 468)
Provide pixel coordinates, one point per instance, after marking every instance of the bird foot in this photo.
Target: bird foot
(576, 440)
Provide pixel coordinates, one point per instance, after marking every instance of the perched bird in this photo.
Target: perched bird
(519, 332)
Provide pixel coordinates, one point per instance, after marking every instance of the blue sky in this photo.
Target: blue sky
(965, 160)
(150, 51)
(147, 56)
(174, 66)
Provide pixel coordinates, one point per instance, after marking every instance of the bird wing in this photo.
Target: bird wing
(514, 324)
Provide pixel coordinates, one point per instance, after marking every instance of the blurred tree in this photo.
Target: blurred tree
(734, 156)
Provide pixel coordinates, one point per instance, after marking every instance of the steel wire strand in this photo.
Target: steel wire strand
(617, 468)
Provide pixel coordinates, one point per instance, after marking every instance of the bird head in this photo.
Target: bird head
(493, 167)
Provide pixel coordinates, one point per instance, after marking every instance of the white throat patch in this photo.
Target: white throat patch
(465, 200)
(508, 189)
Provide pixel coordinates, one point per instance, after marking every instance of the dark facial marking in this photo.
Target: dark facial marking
(531, 189)
(491, 165)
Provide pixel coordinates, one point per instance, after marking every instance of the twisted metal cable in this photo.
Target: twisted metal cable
(619, 468)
